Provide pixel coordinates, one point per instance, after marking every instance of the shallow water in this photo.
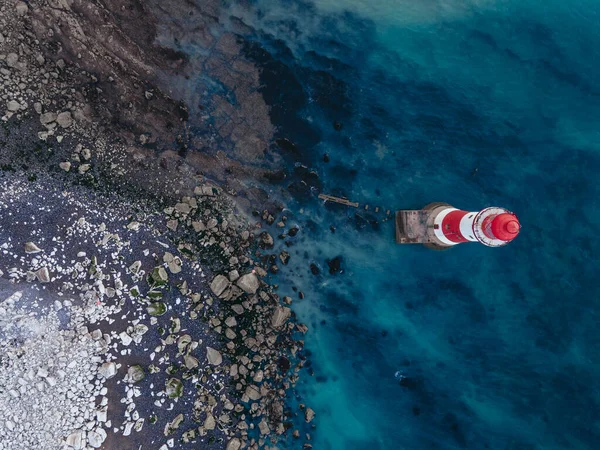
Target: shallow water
(474, 103)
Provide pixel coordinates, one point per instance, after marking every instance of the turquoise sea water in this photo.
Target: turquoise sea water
(475, 103)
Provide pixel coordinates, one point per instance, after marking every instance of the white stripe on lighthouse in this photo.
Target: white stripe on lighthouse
(437, 226)
(466, 226)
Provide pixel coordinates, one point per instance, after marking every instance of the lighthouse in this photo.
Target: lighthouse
(440, 226)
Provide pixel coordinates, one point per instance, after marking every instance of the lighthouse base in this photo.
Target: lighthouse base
(412, 226)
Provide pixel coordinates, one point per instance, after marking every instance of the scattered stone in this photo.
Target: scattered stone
(156, 308)
(174, 388)
(135, 373)
(84, 168)
(31, 248)
(66, 166)
(11, 60)
(135, 267)
(284, 257)
(43, 275)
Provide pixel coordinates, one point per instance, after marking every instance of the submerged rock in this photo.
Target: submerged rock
(314, 269)
(335, 265)
(284, 257)
(309, 414)
(266, 240)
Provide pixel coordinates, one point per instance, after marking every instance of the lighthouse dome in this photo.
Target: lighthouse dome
(505, 226)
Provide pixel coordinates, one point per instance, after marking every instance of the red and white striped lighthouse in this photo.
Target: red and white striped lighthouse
(494, 227)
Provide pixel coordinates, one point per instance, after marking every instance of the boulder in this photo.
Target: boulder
(263, 426)
(95, 439)
(280, 316)
(13, 106)
(64, 119)
(76, 440)
(253, 392)
(219, 284)
(48, 118)
(213, 356)
(248, 283)
(266, 240)
(234, 444)
(135, 373)
(108, 370)
(190, 362)
(209, 423)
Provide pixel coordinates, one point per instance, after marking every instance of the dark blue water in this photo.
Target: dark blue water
(474, 103)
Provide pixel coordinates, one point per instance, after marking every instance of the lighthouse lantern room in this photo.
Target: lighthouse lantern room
(440, 226)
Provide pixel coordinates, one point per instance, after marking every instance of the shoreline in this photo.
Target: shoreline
(237, 314)
(82, 154)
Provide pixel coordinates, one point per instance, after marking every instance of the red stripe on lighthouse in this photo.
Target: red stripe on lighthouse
(451, 226)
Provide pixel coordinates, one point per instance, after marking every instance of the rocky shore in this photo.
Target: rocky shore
(135, 308)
